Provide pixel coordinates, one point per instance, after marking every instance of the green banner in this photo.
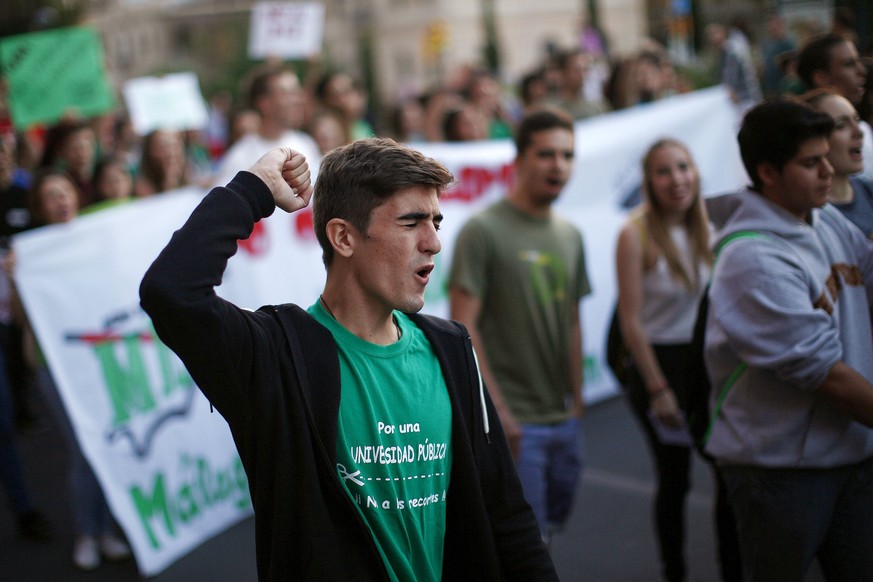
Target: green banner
(53, 73)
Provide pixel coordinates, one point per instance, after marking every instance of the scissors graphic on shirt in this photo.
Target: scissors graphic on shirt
(346, 476)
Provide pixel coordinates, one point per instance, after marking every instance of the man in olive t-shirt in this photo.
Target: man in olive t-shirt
(517, 277)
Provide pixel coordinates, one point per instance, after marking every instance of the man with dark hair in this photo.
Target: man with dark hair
(831, 60)
(372, 448)
(789, 351)
(275, 93)
(517, 277)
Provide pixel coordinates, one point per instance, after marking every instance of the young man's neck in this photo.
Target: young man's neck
(374, 325)
(522, 202)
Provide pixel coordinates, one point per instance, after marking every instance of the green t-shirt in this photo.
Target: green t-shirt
(394, 444)
(528, 273)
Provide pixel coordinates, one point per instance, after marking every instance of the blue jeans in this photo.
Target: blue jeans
(549, 465)
(788, 517)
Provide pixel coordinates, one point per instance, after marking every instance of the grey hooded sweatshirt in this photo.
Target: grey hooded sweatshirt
(787, 304)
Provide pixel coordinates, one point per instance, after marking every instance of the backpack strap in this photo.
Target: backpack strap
(738, 371)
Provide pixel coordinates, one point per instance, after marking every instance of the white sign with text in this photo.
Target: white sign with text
(287, 30)
(169, 102)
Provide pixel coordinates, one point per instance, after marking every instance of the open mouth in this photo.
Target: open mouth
(425, 272)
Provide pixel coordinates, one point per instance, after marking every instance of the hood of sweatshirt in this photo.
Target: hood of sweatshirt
(746, 210)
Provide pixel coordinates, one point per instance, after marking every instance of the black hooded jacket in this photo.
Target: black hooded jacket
(274, 376)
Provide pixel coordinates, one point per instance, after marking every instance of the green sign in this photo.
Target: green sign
(53, 73)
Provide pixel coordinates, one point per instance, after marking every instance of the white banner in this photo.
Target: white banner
(168, 467)
(606, 174)
(288, 30)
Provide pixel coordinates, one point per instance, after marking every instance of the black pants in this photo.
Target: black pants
(673, 469)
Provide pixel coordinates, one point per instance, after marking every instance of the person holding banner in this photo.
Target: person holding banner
(372, 448)
(71, 145)
(30, 522)
(54, 199)
(517, 276)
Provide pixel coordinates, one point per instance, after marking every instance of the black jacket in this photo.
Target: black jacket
(274, 376)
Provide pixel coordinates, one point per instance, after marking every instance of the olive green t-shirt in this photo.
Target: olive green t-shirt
(394, 444)
(528, 273)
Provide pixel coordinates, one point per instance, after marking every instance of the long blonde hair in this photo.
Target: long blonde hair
(696, 222)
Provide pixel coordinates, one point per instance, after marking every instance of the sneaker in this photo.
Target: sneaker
(34, 526)
(86, 555)
(114, 548)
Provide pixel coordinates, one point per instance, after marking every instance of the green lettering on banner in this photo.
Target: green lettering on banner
(128, 388)
(147, 506)
(54, 72)
(201, 488)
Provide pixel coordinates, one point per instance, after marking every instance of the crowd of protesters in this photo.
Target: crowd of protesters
(102, 162)
(331, 108)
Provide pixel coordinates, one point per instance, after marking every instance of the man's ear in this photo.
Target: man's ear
(342, 236)
(768, 173)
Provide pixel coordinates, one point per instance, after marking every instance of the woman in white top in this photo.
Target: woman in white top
(663, 263)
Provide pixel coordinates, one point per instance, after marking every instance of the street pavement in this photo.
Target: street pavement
(608, 539)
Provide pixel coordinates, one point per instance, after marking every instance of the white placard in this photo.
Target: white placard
(169, 102)
(288, 30)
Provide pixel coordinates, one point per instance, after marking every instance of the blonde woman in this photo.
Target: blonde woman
(663, 263)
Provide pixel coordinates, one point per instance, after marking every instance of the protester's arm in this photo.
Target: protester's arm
(466, 308)
(629, 267)
(214, 338)
(849, 392)
(760, 302)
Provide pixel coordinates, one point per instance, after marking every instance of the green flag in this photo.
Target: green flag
(55, 72)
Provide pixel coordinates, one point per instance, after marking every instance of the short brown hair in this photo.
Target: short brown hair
(358, 177)
(542, 119)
